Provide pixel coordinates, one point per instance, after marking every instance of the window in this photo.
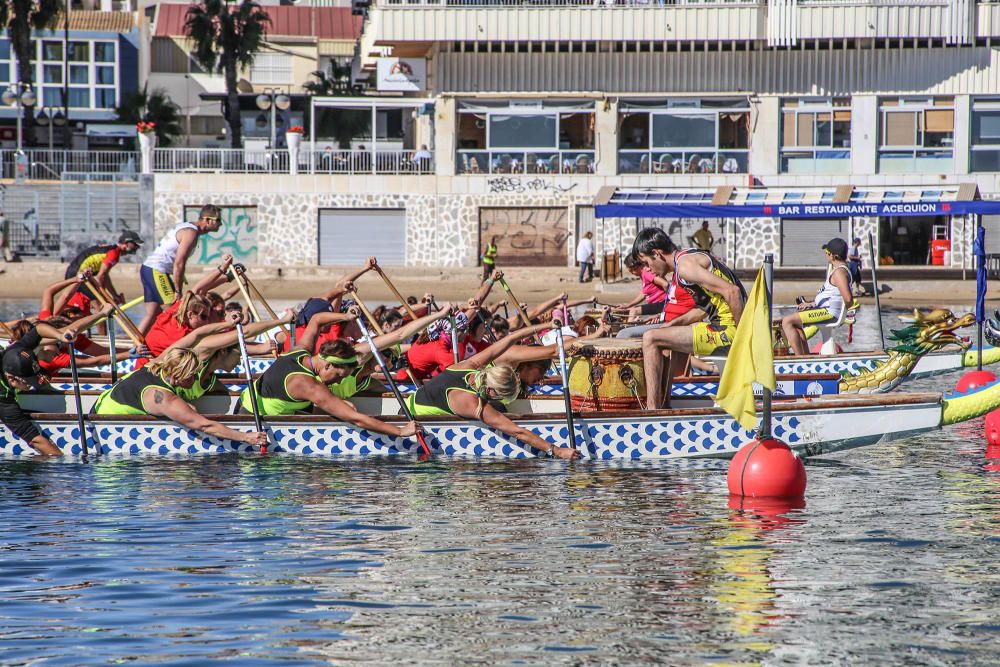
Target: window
(105, 75)
(985, 138)
(52, 97)
(916, 135)
(79, 97)
(104, 52)
(525, 136)
(816, 136)
(52, 74)
(79, 52)
(271, 68)
(684, 136)
(104, 98)
(52, 51)
(79, 74)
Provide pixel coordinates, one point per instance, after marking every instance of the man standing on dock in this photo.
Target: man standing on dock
(162, 274)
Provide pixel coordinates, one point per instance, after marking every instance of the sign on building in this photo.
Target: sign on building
(401, 74)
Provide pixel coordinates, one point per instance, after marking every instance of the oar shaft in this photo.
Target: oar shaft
(78, 400)
(392, 385)
(378, 329)
(241, 283)
(571, 430)
(517, 305)
(127, 325)
(392, 288)
(878, 303)
(251, 389)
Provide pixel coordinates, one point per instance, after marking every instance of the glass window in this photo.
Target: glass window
(522, 131)
(79, 52)
(52, 97)
(916, 135)
(4, 72)
(104, 98)
(683, 131)
(52, 50)
(52, 74)
(79, 74)
(816, 136)
(79, 98)
(271, 68)
(104, 52)
(4, 49)
(986, 127)
(105, 75)
(985, 135)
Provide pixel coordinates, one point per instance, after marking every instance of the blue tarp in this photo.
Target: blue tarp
(847, 210)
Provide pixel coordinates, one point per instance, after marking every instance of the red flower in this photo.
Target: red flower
(145, 127)
(297, 129)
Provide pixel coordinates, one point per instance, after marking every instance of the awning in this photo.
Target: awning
(112, 130)
(791, 204)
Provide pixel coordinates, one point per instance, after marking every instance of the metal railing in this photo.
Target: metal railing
(704, 161)
(228, 160)
(548, 4)
(579, 161)
(43, 164)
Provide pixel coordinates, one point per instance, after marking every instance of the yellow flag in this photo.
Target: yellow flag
(751, 359)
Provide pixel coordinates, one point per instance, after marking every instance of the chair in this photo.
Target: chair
(531, 163)
(664, 165)
(847, 316)
(474, 166)
(694, 164)
(644, 164)
(554, 164)
(583, 164)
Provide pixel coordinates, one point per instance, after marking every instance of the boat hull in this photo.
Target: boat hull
(811, 427)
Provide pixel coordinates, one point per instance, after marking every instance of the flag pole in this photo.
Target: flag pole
(765, 421)
(979, 251)
(878, 303)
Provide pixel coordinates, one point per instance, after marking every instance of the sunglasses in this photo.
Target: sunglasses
(211, 219)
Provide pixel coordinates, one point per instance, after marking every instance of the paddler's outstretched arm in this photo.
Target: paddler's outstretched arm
(404, 332)
(494, 351)
(302, 388)
(522, 353)
(49, 295)
(307, 341)
(467, 405)
(160, 403)
(205, 344)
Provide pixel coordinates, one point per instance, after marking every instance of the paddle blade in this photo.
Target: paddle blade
(423, 443)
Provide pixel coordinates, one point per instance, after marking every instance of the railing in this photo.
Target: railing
(44, 164)
(547, 4)
(682, 162)
(527, 162)
(227, 160)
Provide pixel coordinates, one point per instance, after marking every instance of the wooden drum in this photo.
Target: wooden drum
(606, 374)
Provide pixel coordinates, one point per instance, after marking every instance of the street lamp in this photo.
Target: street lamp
(274, 100)
(21, 95)
(49, 116)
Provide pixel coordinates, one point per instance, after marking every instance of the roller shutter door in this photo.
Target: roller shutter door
(347, 237)
(801, 240)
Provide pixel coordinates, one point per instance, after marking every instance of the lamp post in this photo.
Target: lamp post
(275, 100)
(49, 117)
(20, 95)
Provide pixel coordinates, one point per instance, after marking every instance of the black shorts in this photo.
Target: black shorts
(651, 308)
(17, 420)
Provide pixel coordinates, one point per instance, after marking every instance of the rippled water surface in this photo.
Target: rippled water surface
(893, 559)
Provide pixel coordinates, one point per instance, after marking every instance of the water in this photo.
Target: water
(267, 561)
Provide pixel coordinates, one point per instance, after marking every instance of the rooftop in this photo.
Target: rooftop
(335, 23)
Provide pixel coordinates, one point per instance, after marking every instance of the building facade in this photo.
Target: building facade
(524, 114)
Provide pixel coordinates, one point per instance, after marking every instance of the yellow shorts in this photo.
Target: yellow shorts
(157, 287)
(708, 339)
(816, 316)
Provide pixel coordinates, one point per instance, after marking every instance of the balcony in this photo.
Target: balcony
(51, 165)
(950, 20)
(398, 21)
(235, 161)
(471, 162)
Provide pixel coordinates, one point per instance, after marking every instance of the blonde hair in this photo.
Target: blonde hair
(177, 363)
(188, 303)
(504, 380)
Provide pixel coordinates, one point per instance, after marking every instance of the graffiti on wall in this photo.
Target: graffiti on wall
(237, 236)
(526, 236)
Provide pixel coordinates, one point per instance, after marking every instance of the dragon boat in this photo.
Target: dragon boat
(811, 426)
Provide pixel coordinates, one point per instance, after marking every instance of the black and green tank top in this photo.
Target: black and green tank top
(125, 398)
(716, 308)
(272, 386)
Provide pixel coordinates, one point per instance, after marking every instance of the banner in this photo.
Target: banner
(791, 211)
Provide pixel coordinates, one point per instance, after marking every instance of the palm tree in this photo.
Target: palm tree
(342, 124)
(20, 17)
(155, 107)
(226, 36)
(337, 82)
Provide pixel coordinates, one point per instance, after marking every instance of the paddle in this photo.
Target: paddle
(454, 337)
(392, 288)
(878, 304)
(378, 329)
(267, 307)
(254, 407)
(517, 305)
(114, 351)
(366, 334)
(241, 282)
(77, 399)
(127, 325)
(571, 431)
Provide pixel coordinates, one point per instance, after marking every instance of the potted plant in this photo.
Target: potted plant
(147, 134)
(293, 137)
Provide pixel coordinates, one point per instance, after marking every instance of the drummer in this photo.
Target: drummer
(716, 291)
(155, 390)
(477, 387)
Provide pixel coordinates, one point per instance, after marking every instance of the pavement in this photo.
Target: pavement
(530, 284)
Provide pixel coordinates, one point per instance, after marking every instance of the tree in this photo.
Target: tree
(155, 107)
(226, 37)
(341, 124)
(19, 18)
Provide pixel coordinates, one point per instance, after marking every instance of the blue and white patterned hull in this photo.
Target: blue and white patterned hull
(811, 427)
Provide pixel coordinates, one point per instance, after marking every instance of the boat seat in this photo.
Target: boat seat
(847, 316)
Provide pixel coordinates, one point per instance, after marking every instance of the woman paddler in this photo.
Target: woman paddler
(300, 380)
(154, 390)
(479, 387)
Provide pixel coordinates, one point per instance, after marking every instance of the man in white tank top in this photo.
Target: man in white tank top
(162, 274)
(829, 302)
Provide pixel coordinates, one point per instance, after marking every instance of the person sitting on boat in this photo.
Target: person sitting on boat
(652, 295)
(299, 380)
(829, 302)
(155, 390)
(21, 372)
(718, 294)
(54, 356)
(477, 387)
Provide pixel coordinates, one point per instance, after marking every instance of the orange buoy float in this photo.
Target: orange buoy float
(991, 428)
(766, 469)
(974, 380)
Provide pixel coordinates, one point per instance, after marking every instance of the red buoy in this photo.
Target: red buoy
(766, 469)
(991, 428)
(974, 380)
